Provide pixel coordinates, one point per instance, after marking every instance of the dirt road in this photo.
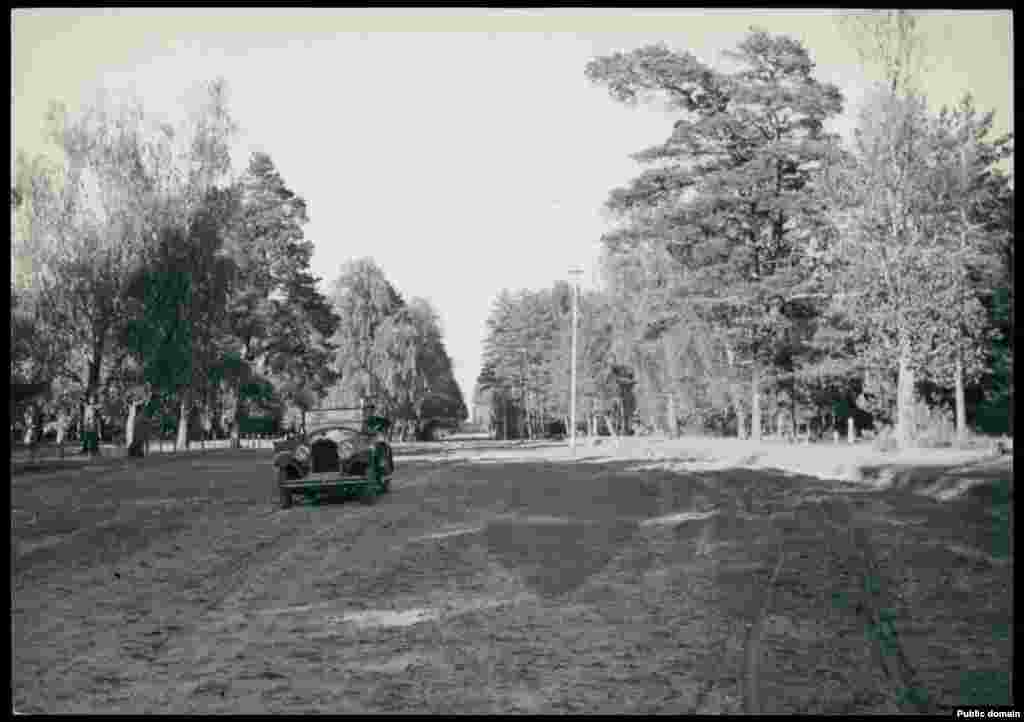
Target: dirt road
(491, 582)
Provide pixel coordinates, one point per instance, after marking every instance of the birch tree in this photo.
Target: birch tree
(965, 184)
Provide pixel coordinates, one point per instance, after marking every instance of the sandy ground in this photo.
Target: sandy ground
(508, 578)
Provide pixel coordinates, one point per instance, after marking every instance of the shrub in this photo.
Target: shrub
(933, 426)
(884, 439)
(971, 442)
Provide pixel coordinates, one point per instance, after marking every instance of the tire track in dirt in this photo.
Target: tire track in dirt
(231, 575)
(881, 627)
(876, 607)
(794, 624)
(155, 605)
(250, 570)
(752, 647)
(273, 556)
(848, 545)
(695, 540)
(137, 635)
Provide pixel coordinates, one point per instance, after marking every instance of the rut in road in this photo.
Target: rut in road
(302, 532)
(826, 623)
(122, 614)
(695, 610)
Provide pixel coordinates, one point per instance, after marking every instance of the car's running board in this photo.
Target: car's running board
(328, 479)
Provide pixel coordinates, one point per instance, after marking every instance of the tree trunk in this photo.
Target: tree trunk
(793, 427)
(89, 426)
(961, 402)
(905, 398)
(32, 437)
(755, 405)
(62, 423)
(93, 383)
(674, 374)
(80, 426)
(129, 426)
(207, 417)
(142, 430)
(236, 422)
(961, 405)
(183, 413)
(851, 430)
(30, 423)
(741, 421)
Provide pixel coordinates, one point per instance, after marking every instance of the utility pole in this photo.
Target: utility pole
(575, 274)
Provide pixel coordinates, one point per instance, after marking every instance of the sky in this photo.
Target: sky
(463, 150)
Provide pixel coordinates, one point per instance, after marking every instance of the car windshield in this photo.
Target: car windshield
(336, 434)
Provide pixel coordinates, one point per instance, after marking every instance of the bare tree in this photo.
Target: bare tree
(892, 40)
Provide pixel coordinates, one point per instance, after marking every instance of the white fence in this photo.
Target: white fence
(159, 446)
(155, 446)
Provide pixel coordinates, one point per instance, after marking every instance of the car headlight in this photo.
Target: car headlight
(345, 449)
(302, 453)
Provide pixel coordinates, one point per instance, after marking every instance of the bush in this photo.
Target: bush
(257, 425)
(974, 442)
(555, 430)
(933, 426)
(884, 439)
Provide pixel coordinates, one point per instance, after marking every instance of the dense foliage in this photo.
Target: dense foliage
(764, 277)
(761, 275)
(155, 292)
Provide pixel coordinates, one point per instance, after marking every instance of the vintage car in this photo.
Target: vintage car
(343, 452)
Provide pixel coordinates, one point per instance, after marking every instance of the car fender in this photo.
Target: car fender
(384, 454)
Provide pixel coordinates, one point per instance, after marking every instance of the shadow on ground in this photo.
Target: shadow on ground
(475, 446)
(637, 584)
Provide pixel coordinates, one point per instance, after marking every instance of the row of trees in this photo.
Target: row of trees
(526, 375)
(762, 273)
(394, 353)
(148, 277)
